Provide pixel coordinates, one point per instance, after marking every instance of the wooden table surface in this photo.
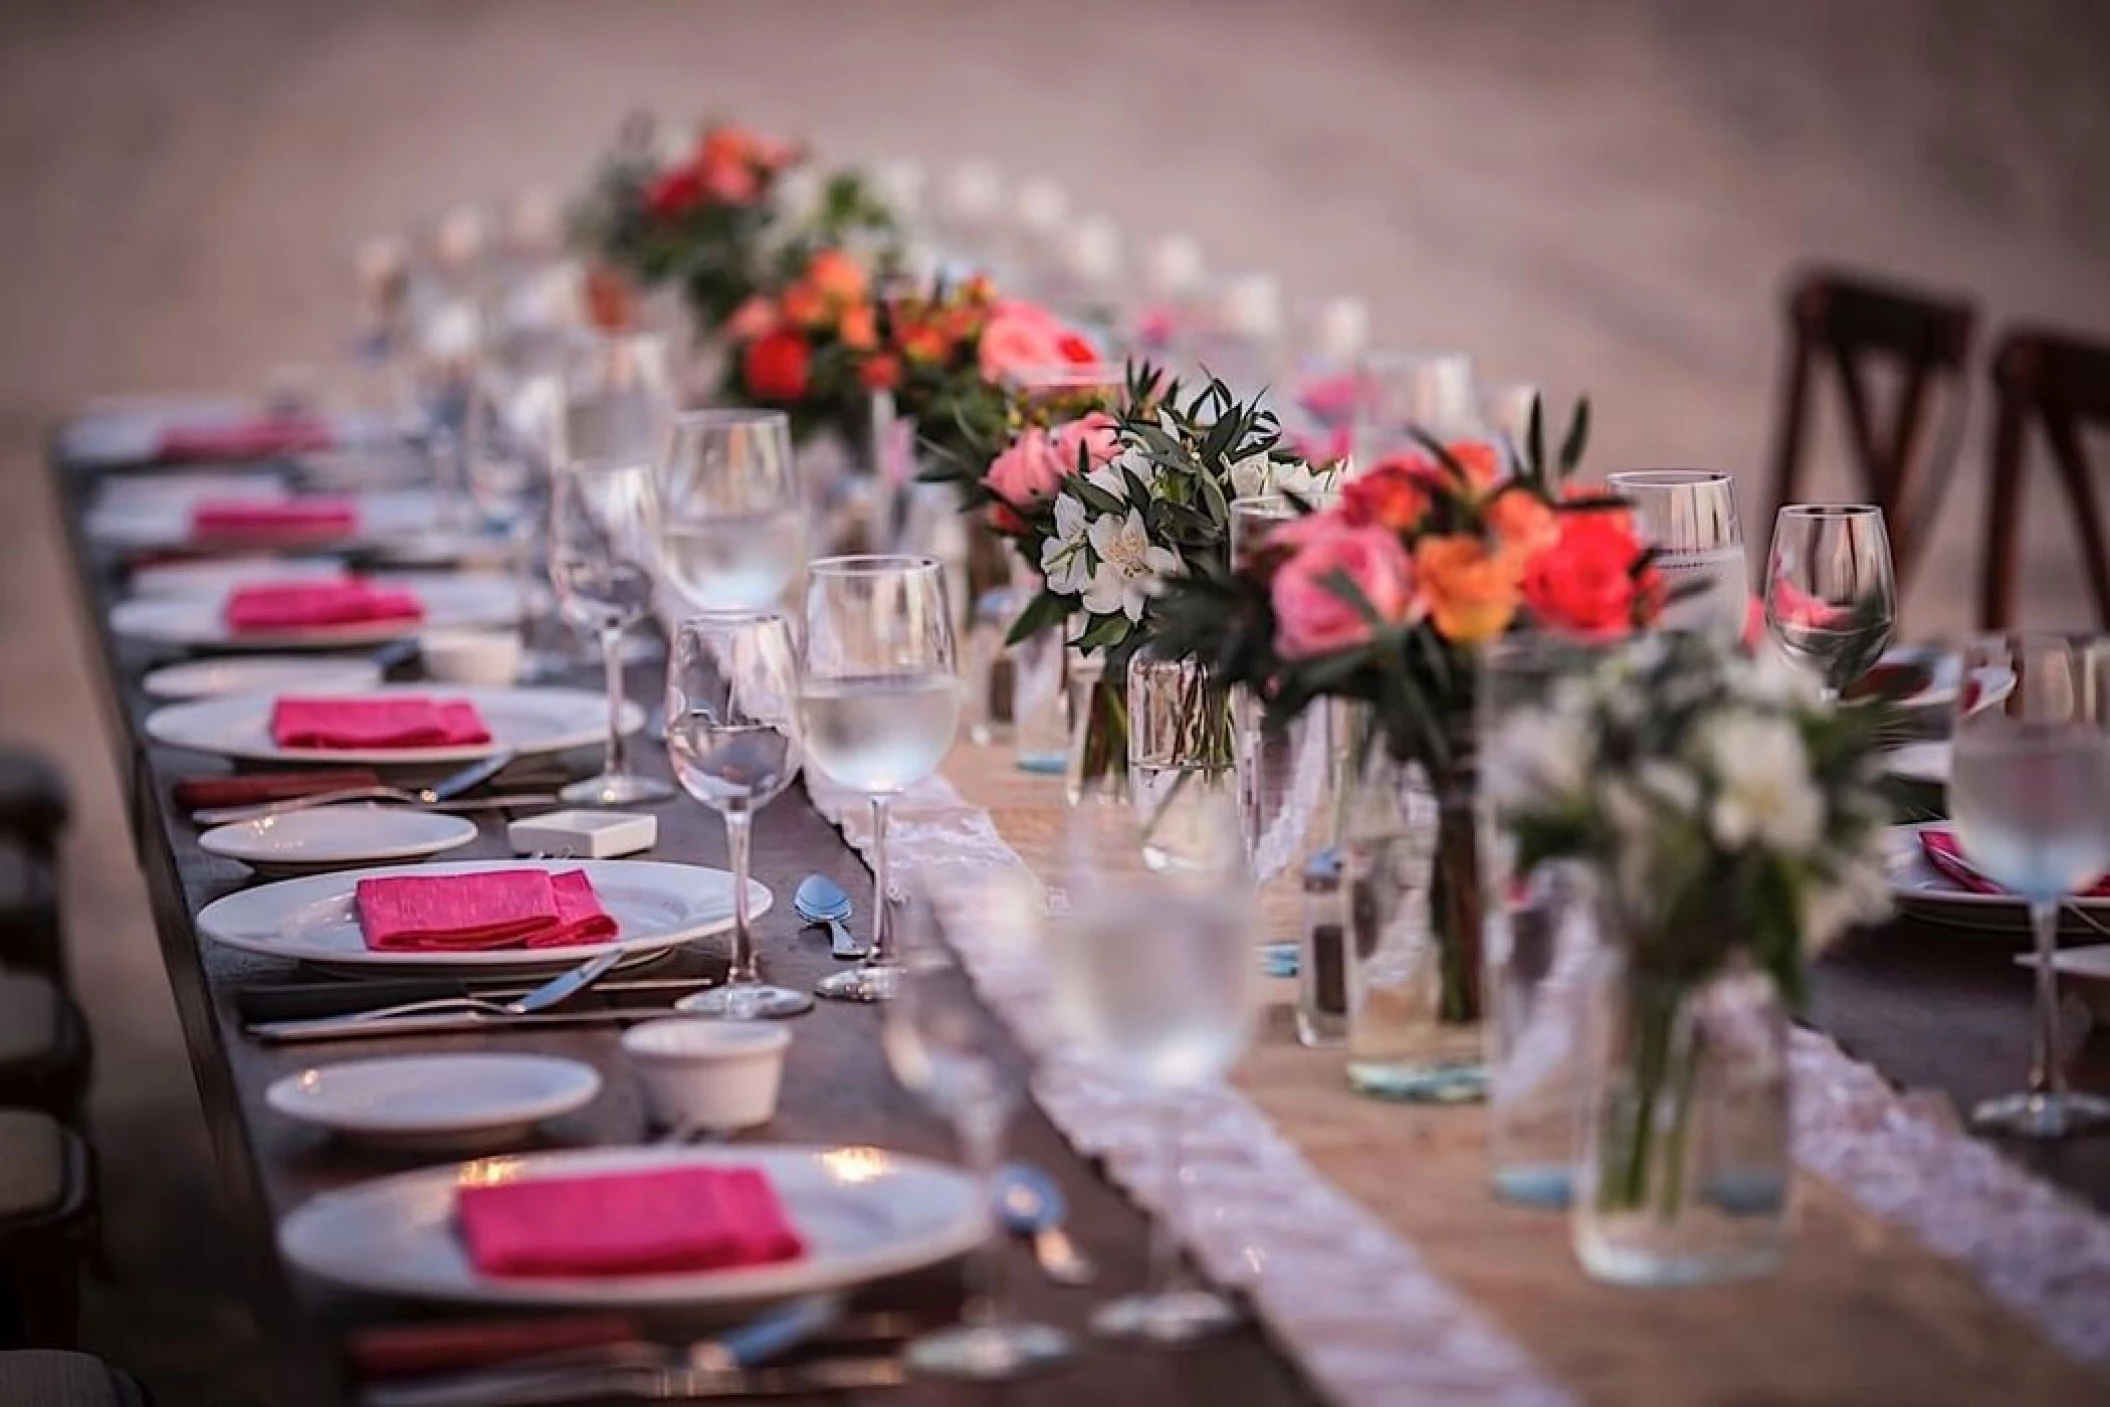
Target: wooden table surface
(1928, 1006)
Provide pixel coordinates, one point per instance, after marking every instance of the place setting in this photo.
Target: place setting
(321, 613)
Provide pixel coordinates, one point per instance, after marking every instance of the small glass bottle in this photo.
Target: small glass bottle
(1322, 955)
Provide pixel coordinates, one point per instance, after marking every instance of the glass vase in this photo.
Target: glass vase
(1182, 753)
(1415, 907)
(1098, 717)
(1683, 1174)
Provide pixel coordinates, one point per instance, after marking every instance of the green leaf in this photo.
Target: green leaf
(1105, 632)
(1535, 440)
(1094, 497)
(1044, 612)
(1578, 437)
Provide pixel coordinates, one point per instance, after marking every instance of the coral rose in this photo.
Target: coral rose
(859, 328)
(1471, 588)
(775, 366)
(1525, 523)
(1394, 494)
(880, 373)
(1311, 615)
(1585, 583)
(753, 318)
(922, 343)
(837, 275)
(806, 305)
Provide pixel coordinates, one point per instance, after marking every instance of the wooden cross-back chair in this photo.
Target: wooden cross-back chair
(2060, 385)
(1855, 324)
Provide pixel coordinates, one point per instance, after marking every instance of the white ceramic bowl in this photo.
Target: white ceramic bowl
(489, 657)
(716, 1076)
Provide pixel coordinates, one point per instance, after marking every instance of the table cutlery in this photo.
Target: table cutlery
(441, 1023)
(1030, 1204)
(551, 993)
(395, 654)
(445, 789)
(295, 1001)
(646, 1384)
(820, 901)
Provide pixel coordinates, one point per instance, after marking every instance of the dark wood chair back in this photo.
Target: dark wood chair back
(2061, 386)
(1857, 325)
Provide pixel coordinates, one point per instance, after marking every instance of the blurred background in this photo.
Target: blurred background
(1602, 197)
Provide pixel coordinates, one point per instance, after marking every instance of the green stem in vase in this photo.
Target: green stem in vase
(1652, 1010)
(1455, 905)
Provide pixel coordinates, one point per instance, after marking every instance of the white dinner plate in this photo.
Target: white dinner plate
(655, 905)
(1921, 889)
(536, 720)
(162, 522)
(435, 1101)
(199, 622)
(236, 674)
(865, 1214)
(333, 837)
(216, 576)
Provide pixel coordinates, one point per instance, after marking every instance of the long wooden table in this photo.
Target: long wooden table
(1929, 1007)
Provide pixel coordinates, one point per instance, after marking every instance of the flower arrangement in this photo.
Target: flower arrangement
(1383, 595)
(709, 215)
(805, 347)
(1734, 821)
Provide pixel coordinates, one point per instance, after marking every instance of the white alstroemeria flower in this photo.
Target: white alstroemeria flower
(1539, 758)
(1859, 893)
(1670, 785)
(1130, 565)
(1251, 476)
(1763, 786)
(1064, 559)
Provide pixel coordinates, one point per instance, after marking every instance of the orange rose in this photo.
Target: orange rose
(1586, 584)
(1525, 523)
(1394, 494)
(805, 305)
(1480, 461)
(837, 275)
(859, 328)
(1472, 591)
(923, 343)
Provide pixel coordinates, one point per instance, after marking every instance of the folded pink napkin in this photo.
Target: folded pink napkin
(1945, 853)
(480, 911)
(376, 721)
(1331, 400)
(294, 605)
(655, 1221)
(265, 437)
(275, 518)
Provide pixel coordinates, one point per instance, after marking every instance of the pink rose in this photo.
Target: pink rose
(1034, 466)
(1310, 616)
(752, 319)
(1026, 337)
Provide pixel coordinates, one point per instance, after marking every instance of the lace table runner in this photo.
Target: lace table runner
(1365, 1236)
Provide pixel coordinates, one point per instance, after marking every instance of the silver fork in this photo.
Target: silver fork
(445, 789)
(558, 989)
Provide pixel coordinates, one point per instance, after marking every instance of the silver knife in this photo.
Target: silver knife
(330, 1028)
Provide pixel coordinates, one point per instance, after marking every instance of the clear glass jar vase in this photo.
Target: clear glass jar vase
(1683, 1174)
(1098, 719)
(1182, 754)
(1415, 908)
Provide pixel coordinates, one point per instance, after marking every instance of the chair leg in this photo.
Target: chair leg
(1996, 598)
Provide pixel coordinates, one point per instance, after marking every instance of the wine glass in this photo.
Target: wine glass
(2030, 794)
(727, 514)
(1831, 596)
(1152, 977)
(596, 567)
(878, 703)
(732, 737)
(950, 1050)
(1689, 517)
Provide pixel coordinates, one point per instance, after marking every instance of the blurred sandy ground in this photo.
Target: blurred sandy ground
(1598, 196)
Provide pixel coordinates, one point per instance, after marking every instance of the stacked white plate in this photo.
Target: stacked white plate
(198, 621)
(525, 721)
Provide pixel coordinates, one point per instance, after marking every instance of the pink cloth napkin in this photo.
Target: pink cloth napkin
(1945, 853)
(376, 721)
(1331, 400)
(265, 437)
(651, 1222)
(293, 605)
(480, 911)
(280, 518)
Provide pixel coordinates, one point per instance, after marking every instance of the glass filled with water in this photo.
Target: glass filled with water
(597, 558)
(727, 512)
(2030, 796)
(1689, 517)
(1831, 594)
(733, 740)
(878, 704)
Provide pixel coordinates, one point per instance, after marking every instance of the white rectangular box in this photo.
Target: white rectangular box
(584, 835)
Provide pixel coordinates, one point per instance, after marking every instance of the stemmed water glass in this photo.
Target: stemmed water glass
(1152, 970)
(949, 1049)
(596, 567)
(732, 737)
(1831, 595)
(2030, 794)
(878, 703)
(727, 516)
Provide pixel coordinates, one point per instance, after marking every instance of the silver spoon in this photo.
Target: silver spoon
(1029, 1204)
(820, 900)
